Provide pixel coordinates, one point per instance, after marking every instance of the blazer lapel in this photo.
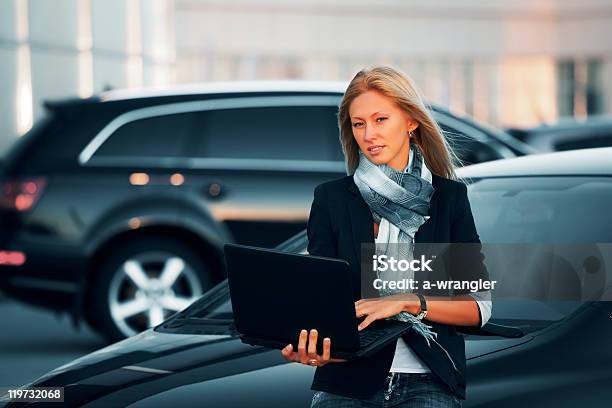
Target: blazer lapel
(426, 232)
(362, 222)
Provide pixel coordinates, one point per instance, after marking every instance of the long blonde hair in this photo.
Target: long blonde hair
(399, 87)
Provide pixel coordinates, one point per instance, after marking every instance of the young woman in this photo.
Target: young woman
(401, 189)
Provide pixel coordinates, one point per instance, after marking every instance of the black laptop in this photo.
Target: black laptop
(275, 294)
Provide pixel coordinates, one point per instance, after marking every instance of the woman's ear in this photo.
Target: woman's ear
(412, 125)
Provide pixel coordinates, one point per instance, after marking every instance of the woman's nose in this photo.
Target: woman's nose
(369, 133)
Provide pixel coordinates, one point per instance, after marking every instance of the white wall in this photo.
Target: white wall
(55, 49)
(504, 42)
(423, 29)
(54, 76)
(109, 27)
(8, 73)
(158, 47)
(52, 37)
(8, 104)
(53, 23)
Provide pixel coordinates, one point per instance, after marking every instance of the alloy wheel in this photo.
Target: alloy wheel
(149, 287)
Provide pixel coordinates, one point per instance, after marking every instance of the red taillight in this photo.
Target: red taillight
(21, 195)
(12, 258)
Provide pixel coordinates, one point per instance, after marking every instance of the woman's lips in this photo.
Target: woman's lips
(374, 150)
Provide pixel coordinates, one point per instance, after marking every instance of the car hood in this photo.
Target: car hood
(159, 368)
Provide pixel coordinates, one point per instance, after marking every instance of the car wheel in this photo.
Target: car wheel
(142, 282)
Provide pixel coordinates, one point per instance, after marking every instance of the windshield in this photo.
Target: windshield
(223, 311)
(525, 210)
(524, 215)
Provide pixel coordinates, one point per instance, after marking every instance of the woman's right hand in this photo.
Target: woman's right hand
(307, 354)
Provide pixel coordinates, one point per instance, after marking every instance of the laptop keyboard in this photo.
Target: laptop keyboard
(367, 337)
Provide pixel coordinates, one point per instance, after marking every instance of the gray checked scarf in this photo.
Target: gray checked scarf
(399, 202)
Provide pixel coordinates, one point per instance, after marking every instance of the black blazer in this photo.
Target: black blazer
(340, 221)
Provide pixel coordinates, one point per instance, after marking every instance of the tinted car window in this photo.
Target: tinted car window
(283, 133)
(159, 136)
(580, 141)
(542, 209)
(540, 281)
(468, 149)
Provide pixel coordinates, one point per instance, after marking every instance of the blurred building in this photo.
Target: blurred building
(506, 62)
(65, 48)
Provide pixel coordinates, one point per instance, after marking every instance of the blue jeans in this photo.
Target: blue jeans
(414, 390)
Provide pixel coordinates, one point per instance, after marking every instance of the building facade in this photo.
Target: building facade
(52, 49)
(508, 62)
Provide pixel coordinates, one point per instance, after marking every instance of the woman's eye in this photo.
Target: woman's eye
(381, 119)
(356, 124)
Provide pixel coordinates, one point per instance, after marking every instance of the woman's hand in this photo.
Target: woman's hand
(308, 354)
(383, 307)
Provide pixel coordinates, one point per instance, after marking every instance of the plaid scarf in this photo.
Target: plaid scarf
(395, 197)
(399, 202)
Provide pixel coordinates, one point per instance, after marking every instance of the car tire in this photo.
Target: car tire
(143, 281)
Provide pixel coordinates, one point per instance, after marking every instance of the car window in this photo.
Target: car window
(222, 311)
(583, 141)
(159, 136)
(542, 209)
(546, 241)
(283, 133)
(469, 150)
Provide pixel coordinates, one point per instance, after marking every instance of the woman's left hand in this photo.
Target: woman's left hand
(383, 307)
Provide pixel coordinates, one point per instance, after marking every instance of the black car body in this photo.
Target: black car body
(567, 134)
(550, 354)
(115, 208)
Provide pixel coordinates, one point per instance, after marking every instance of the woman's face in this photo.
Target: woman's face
(381, 129)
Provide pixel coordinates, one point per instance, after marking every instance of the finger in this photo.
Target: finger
(366, 322)
(359, 311)
(326, 349)
(362, 302)
(288, 353)
(337, 360)
(364, 309)
(312, 343)
(303, 358)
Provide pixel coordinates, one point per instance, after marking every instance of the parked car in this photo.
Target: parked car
(115, 208)
(554, 354)
(567, 134)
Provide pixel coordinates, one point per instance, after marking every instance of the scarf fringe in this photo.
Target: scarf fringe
(424, 330)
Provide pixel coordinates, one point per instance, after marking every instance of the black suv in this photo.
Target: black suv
(115, 208)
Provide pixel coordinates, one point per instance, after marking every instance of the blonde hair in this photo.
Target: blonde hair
(399, 87)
